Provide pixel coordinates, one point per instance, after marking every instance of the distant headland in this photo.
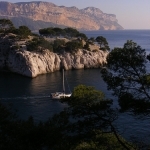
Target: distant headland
(37, 15)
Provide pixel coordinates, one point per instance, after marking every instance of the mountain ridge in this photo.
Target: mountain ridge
(89, 18)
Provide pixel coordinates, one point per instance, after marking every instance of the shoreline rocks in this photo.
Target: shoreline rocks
(32, 64)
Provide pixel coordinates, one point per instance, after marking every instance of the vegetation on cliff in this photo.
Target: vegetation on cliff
(54, 39)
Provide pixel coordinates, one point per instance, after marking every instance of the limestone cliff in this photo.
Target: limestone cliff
(32, 64)
(17, 57)
(38, 15)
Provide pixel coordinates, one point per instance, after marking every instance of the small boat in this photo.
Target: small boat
(59, 95)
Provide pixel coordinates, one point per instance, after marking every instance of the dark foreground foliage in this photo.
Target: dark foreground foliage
(86, 124)
(127, 76)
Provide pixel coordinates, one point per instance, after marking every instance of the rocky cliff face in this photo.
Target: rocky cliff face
(32, 64)
(84, 19)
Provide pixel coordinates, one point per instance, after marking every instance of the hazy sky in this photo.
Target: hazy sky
(131, 14)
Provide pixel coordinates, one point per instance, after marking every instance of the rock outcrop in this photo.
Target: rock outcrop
(38, 15)
(32, 64)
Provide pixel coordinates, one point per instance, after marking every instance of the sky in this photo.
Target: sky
(131, 14)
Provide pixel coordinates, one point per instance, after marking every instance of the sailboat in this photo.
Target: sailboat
(59, 95)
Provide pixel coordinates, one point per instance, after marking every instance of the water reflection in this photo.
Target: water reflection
(32, 96)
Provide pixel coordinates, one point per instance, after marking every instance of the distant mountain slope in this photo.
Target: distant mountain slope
(38, 15)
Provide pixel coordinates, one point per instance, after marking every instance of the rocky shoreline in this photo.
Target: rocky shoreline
(32, 64)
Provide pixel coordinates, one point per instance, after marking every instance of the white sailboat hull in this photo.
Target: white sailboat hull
(59, 95)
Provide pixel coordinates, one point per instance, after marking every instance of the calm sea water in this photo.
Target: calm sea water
(119, 37)
(32, 96)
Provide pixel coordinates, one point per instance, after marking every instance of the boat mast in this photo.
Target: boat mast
(63, 83)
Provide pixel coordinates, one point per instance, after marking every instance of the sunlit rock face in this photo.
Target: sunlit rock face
(32, 64)
(84, 59)
(38, 15)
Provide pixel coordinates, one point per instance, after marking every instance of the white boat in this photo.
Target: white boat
(59, 95)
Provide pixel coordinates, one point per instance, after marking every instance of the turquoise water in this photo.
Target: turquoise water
(32, 96)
